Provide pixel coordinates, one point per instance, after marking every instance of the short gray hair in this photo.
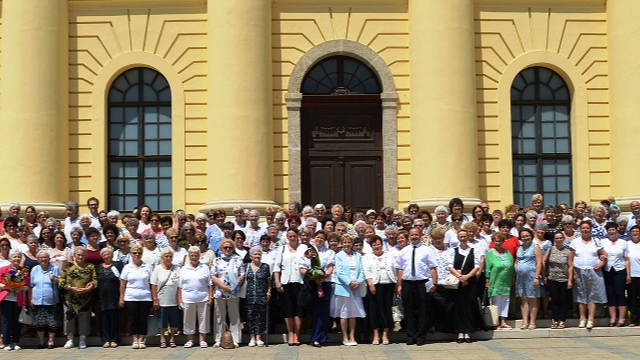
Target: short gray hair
(84, 216)
(567, 219)
(71, 205)
(202, 216)
(45, 252)
(621, 219)
(541, 224)
(441, 208)
(599, 206)
(32, 237)
(105, 249)
(166, 250)
(15, 251)
(76, 230)
(14, 205)
(113, 214)
(80, 248)
(193, 248)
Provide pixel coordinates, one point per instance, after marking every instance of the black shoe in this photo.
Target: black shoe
(50, 346)
(411, 342)
(467, 340)
(41, 346)
(419, 343)
(460, 340)
(316, 344)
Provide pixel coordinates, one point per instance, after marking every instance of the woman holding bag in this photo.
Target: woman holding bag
(227, 274)
(466, 264)
(347, 304)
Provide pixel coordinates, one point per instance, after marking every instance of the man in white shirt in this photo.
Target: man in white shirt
(416, 266)
(72, 220)
(93, 203)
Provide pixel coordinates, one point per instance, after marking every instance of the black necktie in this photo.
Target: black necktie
(413, 262)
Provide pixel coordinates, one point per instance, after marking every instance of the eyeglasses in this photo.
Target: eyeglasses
(5, 245)
(456, 219)
(136, 252)
(227, 248)
(173, 237)
(154, 220)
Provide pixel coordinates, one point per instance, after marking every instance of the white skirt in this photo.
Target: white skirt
(345, 307)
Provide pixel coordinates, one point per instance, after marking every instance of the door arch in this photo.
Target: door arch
(341, 134)
(388, 105)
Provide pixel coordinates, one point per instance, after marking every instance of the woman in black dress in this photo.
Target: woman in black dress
(466, 314)
(108, 296)
(258, 293)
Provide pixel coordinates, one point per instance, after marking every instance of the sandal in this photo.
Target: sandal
(163, 345)
(172, 344)
(554, 325)
(106, 345)
(561, 325)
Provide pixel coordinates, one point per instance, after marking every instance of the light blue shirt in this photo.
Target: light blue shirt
(45, 290)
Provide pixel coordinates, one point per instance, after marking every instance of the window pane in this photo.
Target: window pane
(562, 112)
(151, 187)
(564, 183)
(529, 146)
(562, 146)
(548, 129)
(165, 169)
(129, 132)
(164, 202)
(165, 186)
(548, 146)
(530, 184)
(549, 184)
(151, 170)
(164, 147)
(132, 94)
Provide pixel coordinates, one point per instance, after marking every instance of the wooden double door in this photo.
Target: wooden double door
(342, 150)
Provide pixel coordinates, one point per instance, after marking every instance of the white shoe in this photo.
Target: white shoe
(8, 348)
(235, 345)
(252, 343)
(582, 324)
(203, 344)
(589, 324)
(188, 344)
(260, 343)
(17, 347)
(68, 344)
(83, 345)
(216, 345)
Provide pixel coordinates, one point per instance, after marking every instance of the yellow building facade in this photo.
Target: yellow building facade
(236, 71)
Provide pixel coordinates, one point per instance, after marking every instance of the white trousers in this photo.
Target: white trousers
(231, 307)
(193, 311)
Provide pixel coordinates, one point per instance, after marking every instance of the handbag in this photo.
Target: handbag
(489, 312)
(451, 282)
(152, 326)
(25, 316)
(226, 338)
(397, 310)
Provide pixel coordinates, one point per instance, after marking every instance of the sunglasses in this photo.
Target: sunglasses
(227, 248)
(173, 237)
(456, 219)
(5, 245)
(136, 252)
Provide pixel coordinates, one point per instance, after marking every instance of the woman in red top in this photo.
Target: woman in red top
(12, 298)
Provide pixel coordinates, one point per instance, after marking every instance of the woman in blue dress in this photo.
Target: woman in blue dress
(541, 230)
(528, 268)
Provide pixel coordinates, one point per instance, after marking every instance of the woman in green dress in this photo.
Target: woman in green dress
(499, 273)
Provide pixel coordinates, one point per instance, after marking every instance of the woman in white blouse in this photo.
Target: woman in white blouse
(288, 283)
(617, 274)
(195, 295)
(634, 262)
(381, 280)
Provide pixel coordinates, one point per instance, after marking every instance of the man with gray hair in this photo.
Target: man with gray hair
(72, 220)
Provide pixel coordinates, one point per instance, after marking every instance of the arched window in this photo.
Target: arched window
(140, 141)
(339, 75)
(541, 136)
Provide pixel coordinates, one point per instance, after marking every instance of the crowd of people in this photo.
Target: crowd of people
(338, 269)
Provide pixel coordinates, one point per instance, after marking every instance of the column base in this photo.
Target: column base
(431, 203)
(228, 205)
(624, 201)
(55, 209)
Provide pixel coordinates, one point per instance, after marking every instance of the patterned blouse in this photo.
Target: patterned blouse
(78, 276)
(558, 264)
(257, 284)
(229, 271)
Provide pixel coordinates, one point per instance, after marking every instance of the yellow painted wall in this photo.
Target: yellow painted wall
(298, 27)
(109, 37)
(155, 34)
(570, 39)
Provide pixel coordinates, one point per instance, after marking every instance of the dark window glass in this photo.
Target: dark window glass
(140, 141)
(340, 75)
(541, 136)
